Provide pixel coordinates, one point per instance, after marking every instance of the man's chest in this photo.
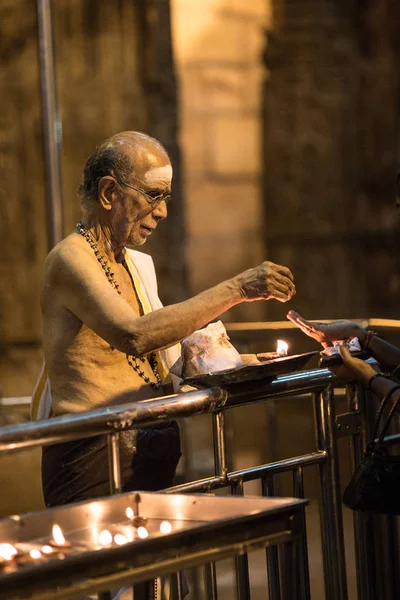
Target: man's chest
(127, 287)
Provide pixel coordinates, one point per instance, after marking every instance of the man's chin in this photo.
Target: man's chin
(134, 244)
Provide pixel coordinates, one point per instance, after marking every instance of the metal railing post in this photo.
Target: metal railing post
(363, 526)
(304, 577)
(176, 586)
(220, 470)
(274, 587)
(330, 498)
(51, 124)
(220, 458)
(242, 562)
(210, 581)
(114, 464)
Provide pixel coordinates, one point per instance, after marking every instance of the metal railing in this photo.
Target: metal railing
(376, 544)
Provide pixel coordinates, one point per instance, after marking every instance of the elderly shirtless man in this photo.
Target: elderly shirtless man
(105, 331)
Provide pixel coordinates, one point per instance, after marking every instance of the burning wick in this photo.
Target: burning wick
(105, 538)
(9, 555)
(165, 527)
(137, 521)
(7, 551)
(142, 533)
(282, 348)
(58, 539)
(120, 539)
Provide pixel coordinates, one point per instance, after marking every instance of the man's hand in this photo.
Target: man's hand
(325, 333)
(267, 281)
(353, 368)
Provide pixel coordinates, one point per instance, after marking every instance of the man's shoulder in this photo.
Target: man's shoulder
(68, 252)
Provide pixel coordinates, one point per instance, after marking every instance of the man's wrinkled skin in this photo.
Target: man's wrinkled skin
(88, 328)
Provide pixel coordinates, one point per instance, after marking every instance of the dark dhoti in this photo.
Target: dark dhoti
(78, 470)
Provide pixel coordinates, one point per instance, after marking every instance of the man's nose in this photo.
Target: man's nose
(160, 211)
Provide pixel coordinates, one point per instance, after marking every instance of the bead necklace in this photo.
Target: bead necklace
(132, 360)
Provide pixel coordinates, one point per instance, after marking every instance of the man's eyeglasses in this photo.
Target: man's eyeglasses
(153, 200)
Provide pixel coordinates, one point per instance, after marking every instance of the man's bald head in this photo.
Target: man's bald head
(126, 156)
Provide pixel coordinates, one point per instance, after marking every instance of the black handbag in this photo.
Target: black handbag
(375, 485)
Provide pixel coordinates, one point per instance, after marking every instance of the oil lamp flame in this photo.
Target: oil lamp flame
(142, 533)
(165, 527)
(120, 539)
(47, 549)
(35, 554)
(129, 513)
(7, 551)
(105, 538)
(58, 536)
(282, 347)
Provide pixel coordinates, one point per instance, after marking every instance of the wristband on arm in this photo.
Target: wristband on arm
(368, 338)
(372, 379)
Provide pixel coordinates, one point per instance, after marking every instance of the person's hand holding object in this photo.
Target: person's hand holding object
(352, 368)
(325, 333)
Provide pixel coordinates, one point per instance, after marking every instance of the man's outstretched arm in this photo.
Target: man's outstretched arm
(83, 289)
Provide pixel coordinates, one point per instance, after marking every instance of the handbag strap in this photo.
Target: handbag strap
(389, 419)
(381, 408)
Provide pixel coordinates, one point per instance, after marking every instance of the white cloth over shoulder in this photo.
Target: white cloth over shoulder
(145, 272)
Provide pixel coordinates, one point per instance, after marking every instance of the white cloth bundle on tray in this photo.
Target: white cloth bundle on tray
(207, 350)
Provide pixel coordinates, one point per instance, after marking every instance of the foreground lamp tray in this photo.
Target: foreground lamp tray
(264, 370)
(200, 528)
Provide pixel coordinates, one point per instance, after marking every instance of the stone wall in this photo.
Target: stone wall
(331, 140)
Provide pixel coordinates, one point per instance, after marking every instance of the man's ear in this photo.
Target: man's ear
(106, 190)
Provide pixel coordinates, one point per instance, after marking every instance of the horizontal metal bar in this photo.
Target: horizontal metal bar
(212, 483)
(201, 485)
(313, 458)
(109, 419)
(392, 439)
(150, 412)
(26, 400)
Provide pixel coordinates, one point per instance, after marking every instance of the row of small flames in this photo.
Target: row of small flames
(11, 556)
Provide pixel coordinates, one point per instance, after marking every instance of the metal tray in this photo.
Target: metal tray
(202, 528)
(265, 370)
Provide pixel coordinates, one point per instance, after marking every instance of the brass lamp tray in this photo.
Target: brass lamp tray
(264, 370)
